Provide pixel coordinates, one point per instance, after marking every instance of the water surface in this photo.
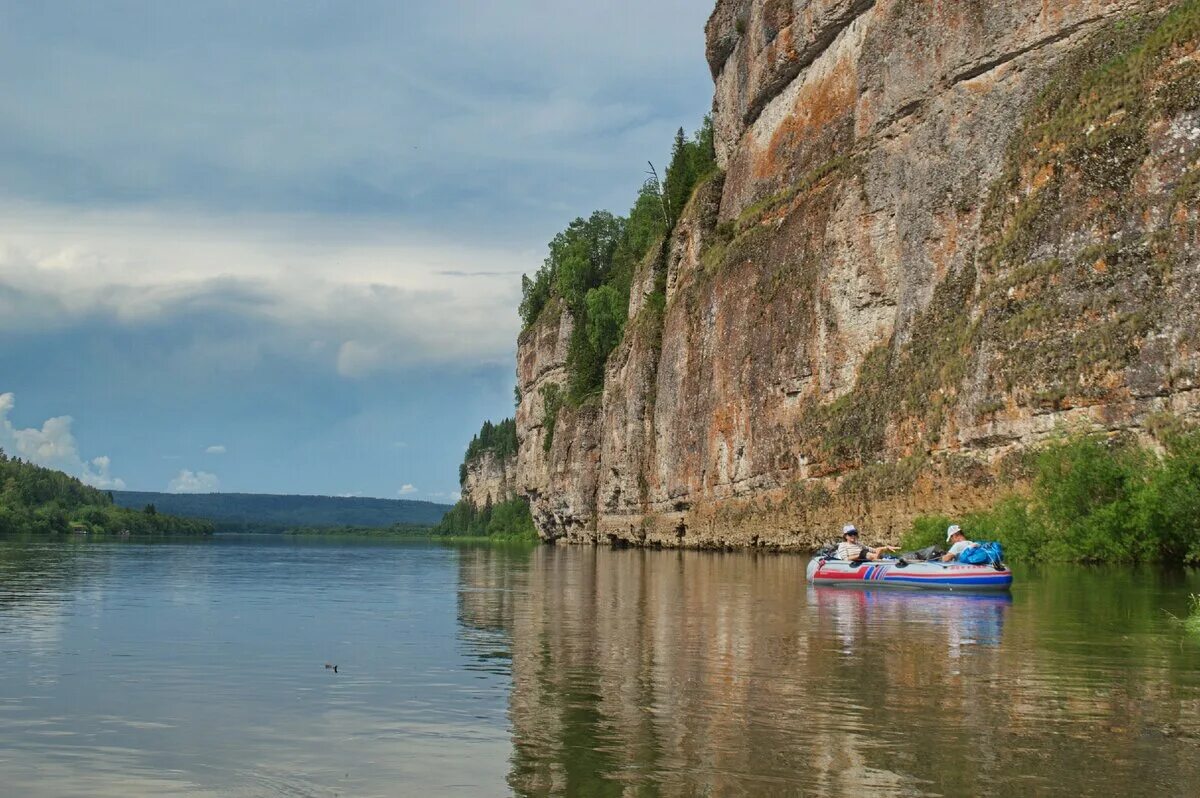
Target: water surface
(198, 669)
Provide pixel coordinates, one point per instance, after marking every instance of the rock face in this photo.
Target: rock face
(489, 479)
(943, 231)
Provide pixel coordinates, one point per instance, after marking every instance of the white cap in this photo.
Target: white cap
(952, 531)
(848, 528)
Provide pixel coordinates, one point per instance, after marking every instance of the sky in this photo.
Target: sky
(277, 246)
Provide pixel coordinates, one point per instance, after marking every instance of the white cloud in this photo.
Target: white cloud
(53, 446)
(356, 359)
(352, 300)
(219, 449)
(407, 490)
(194, 482)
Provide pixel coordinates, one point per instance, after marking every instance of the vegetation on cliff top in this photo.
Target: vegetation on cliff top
(499, 439)
(591, 264)
(1096, 499)
(42, 501)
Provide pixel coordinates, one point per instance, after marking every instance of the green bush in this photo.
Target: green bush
(926, 530)
(1095, 499)
(591, 264)
(508, 520)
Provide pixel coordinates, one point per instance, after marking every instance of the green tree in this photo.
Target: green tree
(590, 265)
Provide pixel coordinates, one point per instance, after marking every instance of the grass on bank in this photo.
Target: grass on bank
(1096, 499)
(1190, 624)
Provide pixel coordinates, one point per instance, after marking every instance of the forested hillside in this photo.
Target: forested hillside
(255, 512)
(42, 501)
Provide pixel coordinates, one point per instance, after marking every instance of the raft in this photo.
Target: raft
(917, 575)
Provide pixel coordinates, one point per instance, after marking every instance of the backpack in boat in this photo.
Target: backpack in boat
(990, 553)
(927, 553)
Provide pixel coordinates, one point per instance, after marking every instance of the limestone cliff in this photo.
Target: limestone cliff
(942, 230)
(490, 479)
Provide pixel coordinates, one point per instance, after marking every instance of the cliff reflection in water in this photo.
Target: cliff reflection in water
(683, 673)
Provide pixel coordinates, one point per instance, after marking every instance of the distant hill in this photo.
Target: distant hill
(260, 512)
(42, 501)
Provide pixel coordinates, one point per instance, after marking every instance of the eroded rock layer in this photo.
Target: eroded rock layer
(943, 230)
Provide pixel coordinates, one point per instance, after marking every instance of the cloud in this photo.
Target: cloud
(194, 482)
(407, 490)
(53, 446)
(310, 215)
(461, 273)
(358, 359)
(219, 449)
(326, 294)
(458, 124)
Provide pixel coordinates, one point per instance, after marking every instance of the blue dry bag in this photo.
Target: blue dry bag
(983, 554)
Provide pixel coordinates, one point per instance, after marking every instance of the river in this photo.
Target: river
(198, 668)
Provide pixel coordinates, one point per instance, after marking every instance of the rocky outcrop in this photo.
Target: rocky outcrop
(490, 479)
(943, 231)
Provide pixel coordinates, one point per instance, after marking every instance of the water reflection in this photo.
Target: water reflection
(197, 670)
(685, 673)
(966, 619)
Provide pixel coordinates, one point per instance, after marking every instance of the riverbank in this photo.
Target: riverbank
(1089, 497)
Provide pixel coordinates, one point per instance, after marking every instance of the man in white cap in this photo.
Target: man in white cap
(955, 536)
(851, 549)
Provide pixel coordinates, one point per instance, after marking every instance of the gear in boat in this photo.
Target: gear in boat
(966, 566)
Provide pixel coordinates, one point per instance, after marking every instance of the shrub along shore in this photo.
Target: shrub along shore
(506, 521)
(1095, 498)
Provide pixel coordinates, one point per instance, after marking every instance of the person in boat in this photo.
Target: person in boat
(958, 543)
(851, 549)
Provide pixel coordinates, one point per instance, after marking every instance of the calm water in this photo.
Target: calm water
(198, 669)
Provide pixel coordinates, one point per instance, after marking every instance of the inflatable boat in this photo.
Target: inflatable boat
(920, 575)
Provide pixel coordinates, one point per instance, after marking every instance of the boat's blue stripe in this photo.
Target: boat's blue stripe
(960, 580)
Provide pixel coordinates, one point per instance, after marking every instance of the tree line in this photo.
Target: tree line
(41, 501)
(262, 512)
(507, 520)
(499, 439)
